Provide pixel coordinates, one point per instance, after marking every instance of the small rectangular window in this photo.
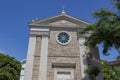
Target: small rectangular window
(64, 76)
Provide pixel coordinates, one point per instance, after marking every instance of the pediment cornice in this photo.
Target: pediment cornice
(52, 21)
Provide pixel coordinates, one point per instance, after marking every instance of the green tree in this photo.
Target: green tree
(92, 71)
(118, 57)
(105, 30)
(110, 72)
(9, 68)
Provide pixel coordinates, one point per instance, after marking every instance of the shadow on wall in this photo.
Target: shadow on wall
(85, 78)
(93, 59)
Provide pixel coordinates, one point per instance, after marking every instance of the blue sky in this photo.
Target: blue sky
(15, 15)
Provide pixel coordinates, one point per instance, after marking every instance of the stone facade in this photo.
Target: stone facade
(36, 59)
(57, 50)
(63, 55)
(51, 59)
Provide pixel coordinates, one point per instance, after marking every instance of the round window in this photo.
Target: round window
(63, 38)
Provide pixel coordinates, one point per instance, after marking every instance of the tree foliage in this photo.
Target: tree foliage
(118, 57)
(105, 30)
(92, 71)
(110, 72)
(9, 68)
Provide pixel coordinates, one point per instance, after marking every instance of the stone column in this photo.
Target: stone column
(83, 58)
(43, 59)
(30, 58)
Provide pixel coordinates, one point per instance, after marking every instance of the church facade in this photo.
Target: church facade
(56, 51)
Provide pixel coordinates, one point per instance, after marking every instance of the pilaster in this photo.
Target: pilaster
(43, 59)
(40, 56)
(30, 58)
(83, 58)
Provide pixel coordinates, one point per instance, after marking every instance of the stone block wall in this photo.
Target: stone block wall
(59, 54)
(56, 49)
(36, 62)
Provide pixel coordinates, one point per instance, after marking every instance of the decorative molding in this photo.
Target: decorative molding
(39, 31)
(43, 33)
(57, 18)
(64, 65)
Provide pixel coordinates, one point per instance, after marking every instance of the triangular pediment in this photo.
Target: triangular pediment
(63, 23)
(59, 21)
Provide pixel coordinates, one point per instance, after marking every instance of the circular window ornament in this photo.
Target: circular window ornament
(63, 38)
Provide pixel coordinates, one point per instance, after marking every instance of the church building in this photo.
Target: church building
(56, 51)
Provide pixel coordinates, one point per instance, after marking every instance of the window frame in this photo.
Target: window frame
(66, 43)
(71, 70)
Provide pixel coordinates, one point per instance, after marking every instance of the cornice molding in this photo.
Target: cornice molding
(47, 21)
